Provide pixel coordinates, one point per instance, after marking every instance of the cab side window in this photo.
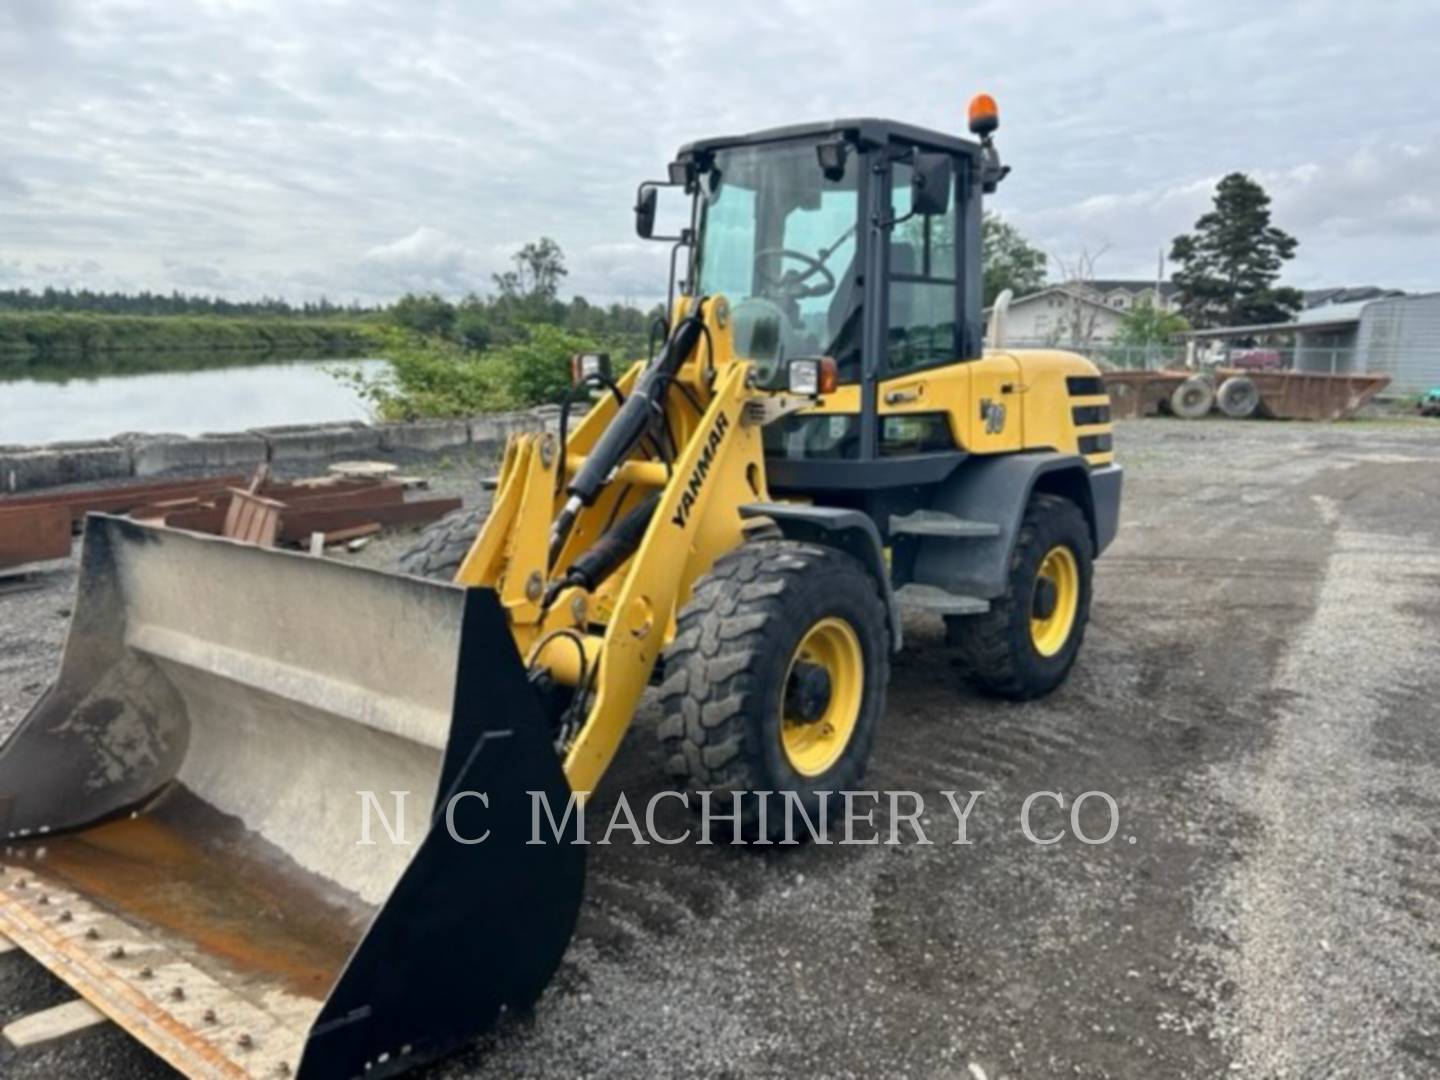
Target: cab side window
(924, 294)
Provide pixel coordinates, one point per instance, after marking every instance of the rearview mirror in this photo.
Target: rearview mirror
(930, 183)
(645, 212)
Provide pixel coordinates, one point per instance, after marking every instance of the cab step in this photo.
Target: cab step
(939, 523)
(935, 599)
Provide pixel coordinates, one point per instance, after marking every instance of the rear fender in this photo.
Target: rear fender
(997, 490)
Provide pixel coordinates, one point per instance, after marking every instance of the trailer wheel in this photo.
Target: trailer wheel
(1025, 645)
(442, 545)
(1238, 397)
(1193, 398)
(775, 682)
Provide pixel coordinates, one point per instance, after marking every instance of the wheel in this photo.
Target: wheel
(1238, 397)
(775, 681)
(1025, 645)
(442, 545)
(1193, 398)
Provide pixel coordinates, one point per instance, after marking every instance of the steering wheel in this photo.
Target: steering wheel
(791, 283)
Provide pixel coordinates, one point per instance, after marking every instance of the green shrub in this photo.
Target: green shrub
(434, 377)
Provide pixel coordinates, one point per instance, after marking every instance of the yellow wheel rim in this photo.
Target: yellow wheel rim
(1061, 573)
(813, 743)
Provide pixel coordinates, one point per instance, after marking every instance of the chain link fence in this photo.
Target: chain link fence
(1172, 356)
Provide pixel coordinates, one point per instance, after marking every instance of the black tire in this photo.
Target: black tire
(442, 545)
(1238, 397)
(1193, 399)
(997, 649)
(727, 671)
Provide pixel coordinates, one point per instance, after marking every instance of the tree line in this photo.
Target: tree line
(174, 303)
(525, 295)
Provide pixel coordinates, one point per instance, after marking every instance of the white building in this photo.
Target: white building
(1079, 315)
(1060, 316)
(1124, 294)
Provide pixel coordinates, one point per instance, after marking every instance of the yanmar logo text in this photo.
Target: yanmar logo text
(702, 470)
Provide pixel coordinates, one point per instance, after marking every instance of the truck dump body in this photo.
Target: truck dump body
(1284, 395)
(184, 823)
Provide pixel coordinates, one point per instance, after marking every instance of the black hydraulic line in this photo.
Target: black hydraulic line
(641, 414)
(587, 382)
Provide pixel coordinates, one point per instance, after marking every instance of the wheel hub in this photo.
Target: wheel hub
(808, 693)
(1054, 601)
(822, 697)
(1047, 596)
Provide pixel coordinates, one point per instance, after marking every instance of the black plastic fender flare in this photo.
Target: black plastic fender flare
(997, 490)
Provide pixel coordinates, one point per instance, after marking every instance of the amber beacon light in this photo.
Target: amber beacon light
(984, 115)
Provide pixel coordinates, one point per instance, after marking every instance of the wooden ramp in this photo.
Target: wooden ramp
(46, 1026)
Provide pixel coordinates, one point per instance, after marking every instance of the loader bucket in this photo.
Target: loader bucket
(184, 830)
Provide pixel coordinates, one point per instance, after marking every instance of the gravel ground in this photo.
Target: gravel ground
(1255, 693)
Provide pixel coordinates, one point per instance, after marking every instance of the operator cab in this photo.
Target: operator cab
(853, 240)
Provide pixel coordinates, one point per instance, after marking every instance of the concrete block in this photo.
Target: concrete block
(424, 435)
(26, 467)
(309, 442)
(490, 430)
(235, 451)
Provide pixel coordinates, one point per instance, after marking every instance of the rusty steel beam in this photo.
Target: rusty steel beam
(121, 497)
(296, 525)
(33, 534)
(323, 499)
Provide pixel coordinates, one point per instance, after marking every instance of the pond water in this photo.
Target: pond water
(52, 408)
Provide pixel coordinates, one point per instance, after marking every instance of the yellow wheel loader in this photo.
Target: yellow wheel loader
(283, 816)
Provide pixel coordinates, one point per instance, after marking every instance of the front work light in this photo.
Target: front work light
(682, 173)
(813, 376)
(832, 159)
(585, 366)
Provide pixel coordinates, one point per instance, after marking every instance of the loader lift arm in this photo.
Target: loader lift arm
(602, 643)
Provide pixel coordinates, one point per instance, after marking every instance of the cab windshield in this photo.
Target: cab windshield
(778, 240)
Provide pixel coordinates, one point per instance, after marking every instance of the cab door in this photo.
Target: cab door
(993, 421)
(924, 312)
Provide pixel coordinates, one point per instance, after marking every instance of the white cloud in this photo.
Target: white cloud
(426, 260)
(1383, 197)
(360, 151)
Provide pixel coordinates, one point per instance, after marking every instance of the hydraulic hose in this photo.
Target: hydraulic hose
(612, 549)
(642, 413)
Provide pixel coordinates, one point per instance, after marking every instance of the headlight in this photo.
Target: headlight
(589, 365)
(813, 376)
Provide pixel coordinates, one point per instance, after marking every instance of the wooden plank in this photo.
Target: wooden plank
(46, 1026)
(253, 519)
(355, 532)
(6, 945)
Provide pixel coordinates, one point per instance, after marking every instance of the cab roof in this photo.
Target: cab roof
(865, 130)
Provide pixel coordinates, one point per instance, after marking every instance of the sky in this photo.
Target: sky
(366, 148)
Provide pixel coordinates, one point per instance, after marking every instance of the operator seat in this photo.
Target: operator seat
(844, 315)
